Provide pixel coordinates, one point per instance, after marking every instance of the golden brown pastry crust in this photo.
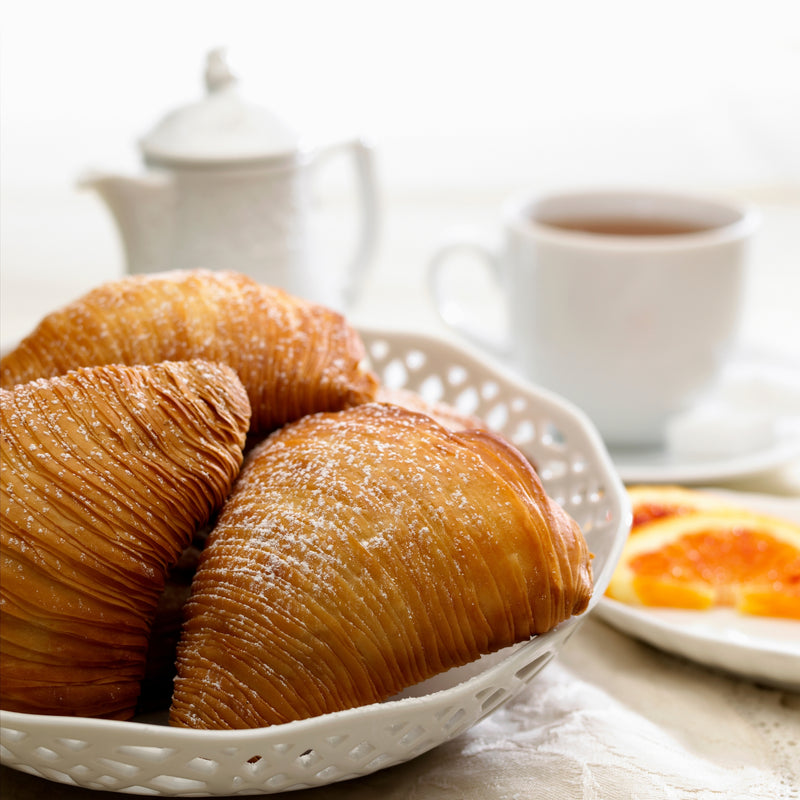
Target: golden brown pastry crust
(293, 357)
(364, 551)
(106, 474)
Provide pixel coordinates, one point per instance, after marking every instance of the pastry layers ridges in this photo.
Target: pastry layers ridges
(294, 357)
(364, 551)
(106, 474)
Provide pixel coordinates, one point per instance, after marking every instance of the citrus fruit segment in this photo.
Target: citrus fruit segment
(651, 502)
(716, 558)
(651, 591)
(770, 603)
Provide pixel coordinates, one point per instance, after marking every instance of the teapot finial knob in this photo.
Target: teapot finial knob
(218, 73)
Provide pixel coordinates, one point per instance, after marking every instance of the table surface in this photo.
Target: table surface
(610, 717)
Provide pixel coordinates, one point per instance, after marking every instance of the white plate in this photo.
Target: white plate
(658, 465)
(145, 758)
(761, 649)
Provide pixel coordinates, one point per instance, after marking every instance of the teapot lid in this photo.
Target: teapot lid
(220, 129)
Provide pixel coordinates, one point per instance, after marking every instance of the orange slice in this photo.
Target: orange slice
(650, 502)
(713, 558)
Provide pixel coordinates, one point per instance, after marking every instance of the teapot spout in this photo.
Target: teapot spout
(142, 207)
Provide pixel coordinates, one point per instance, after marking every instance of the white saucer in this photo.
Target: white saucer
(762, 649)
(659, 465)
(747, 424)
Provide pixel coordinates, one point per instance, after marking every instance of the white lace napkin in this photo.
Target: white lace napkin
(611, 719)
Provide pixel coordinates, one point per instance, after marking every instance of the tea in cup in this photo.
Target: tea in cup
(627, 303)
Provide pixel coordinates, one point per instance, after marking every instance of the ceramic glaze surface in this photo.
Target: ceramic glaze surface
(632, 328)
(226, 185)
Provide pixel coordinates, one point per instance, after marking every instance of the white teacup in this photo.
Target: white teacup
(627, 303)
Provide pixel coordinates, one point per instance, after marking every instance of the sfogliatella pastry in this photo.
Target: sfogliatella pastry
(106, 474)
(364, 551)
(293, 357)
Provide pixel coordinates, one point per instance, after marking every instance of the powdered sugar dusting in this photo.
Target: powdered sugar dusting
(360, 552)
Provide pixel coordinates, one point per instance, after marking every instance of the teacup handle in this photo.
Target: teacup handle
(453, 312)
(363, 159)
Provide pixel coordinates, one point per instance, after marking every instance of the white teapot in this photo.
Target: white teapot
(227, 186)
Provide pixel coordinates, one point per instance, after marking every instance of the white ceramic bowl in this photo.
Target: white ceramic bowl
(142, 757)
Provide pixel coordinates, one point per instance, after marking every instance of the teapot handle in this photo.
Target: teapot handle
(363, 159)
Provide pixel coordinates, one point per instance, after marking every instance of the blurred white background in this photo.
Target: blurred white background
(465, 103)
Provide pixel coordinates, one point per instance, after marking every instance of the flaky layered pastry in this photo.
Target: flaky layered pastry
(293, 357)
(106, 474)
(364, 551)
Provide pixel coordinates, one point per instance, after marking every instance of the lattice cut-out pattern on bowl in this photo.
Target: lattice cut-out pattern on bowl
(556, 438)
(152, 759)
